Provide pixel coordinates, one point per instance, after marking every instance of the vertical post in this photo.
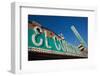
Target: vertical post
(78, 35)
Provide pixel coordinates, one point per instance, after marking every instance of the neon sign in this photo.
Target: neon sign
(40, 37)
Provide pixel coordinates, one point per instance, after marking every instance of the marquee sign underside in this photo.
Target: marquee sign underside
(34, 49)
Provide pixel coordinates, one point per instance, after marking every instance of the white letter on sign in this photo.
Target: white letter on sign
(34, 36)
(59, 46)
(46, 40)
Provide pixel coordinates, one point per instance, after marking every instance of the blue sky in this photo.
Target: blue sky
(62, 24)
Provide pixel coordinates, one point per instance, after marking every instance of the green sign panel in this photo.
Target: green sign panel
(54, 43)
